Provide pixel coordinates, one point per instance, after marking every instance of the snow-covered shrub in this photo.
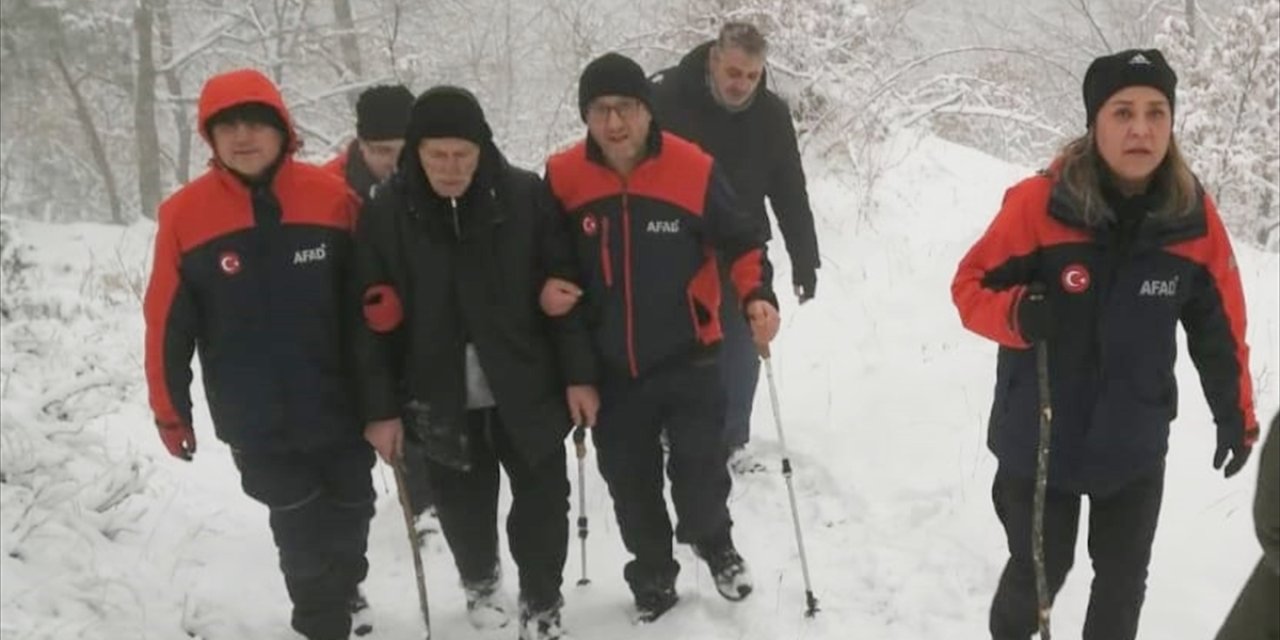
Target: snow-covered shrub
(14, 263)
(68, 494)
(1228, 113)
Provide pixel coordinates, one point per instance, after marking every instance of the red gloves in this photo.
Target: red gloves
(179, 439)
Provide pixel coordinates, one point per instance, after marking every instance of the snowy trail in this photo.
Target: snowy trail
(884, 399)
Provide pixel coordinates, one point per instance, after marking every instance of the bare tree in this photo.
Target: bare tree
(173, 83)
(347, 41)
(90, 130)
(144, 112)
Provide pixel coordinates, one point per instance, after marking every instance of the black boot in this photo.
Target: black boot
(654, 588)
(733, 578)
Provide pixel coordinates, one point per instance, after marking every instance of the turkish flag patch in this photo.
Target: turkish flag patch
(1075, 278)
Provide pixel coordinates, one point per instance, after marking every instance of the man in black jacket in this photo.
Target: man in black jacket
(718, 98)
(449, 261)
(1255, 615)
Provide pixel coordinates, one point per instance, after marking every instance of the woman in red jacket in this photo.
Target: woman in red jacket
(1126, 245)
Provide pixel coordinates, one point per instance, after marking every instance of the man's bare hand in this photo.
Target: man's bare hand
(764, 320)
(387, 438)
(558, 297)
(584, 404)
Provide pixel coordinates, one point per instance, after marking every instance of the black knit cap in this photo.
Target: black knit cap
(612, 74)
(1134, 67)
(254, 112)
(447, 112)
(382, 112)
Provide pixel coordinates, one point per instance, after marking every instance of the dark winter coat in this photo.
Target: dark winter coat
(254, 279)
(645, 250)
(1117, 298)
(460, 271)
(755, 147)
(1266, 503)
(1255, 615)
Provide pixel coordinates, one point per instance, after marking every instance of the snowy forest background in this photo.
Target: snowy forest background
(99, 95)
(102, 535)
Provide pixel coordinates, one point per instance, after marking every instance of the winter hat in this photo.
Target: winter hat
(382, 112)
(1134, 67)
(447, 112)
(253, 112)
(612, 74)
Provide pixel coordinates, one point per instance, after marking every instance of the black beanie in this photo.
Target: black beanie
(382, 112)
(447, 112)
(612, 74)
(255, 112)
(1134, 67)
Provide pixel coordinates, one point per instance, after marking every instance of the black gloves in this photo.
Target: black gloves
(805, 281)
(1035, 314)
(1231, 440)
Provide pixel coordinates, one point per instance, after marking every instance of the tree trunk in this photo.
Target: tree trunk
(1191, 18)
(96, 149)
(181, 123)
(144, 113)
(347, 41)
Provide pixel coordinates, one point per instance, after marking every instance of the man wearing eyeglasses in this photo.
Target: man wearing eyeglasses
(382, 113)
(643, 216)
(717, 97)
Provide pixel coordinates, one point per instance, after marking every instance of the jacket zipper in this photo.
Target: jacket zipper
(606, 260)
(626, 280)
(457, 227)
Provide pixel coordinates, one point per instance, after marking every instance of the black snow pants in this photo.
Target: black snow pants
(320, 505)
(537, 526)
(1122, 527)
(685, 399)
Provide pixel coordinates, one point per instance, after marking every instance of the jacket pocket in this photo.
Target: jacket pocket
(703, 295)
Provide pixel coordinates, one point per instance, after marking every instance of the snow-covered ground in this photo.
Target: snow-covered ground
(884, 398)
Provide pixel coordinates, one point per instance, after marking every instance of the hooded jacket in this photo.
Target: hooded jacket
(253, 279)
(439, 273)
(1118, 293)
(756, 148)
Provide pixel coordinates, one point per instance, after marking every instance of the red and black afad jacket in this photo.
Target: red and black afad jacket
(350, 167)
(1111, 364)
(646, 247)
(255, 280)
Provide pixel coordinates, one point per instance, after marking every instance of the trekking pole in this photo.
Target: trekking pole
(810, 601)
(403, 489)
(580, 449)
(1042, 477)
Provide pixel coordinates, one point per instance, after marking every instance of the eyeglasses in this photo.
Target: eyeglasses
(626, 110)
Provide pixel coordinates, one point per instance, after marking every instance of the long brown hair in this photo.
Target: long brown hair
(1080, 166)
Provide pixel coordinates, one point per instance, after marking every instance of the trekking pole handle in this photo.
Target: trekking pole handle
(764, 351)
(580, 441)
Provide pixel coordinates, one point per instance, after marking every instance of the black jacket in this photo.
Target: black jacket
(1254, 615)
(1118, 292)
(756, 148)
(463, 271)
